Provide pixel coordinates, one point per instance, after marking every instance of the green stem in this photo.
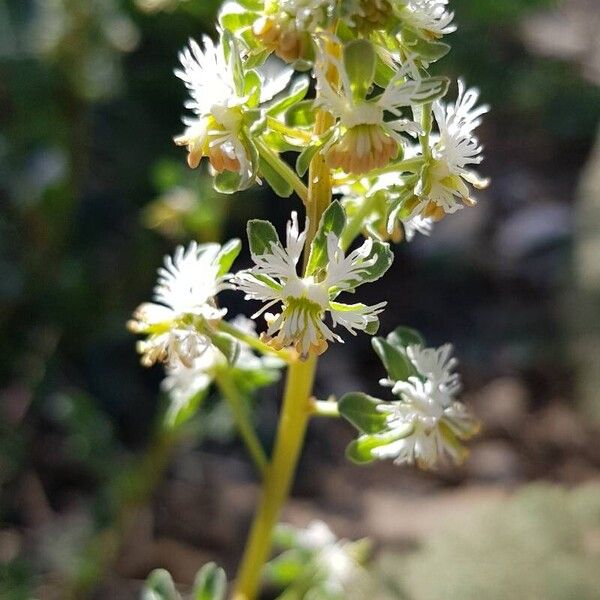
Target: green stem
(426, 122)
(296, 407)
(253, 341)
(283, 169)
(288, 446)
(237, 405)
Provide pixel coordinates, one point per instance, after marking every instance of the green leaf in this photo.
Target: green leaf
(360, 451)
(159, 586)
(396, 363)
(227, 182)
(278, 184)
(402, 337)
(361, 410)
(210, 583)
(295, 95)
(302, 114)
(227, 255)
(261, 234)
(360, 60)
(333, 220)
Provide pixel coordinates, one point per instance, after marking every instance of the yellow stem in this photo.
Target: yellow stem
(288, 446)
(296, 408)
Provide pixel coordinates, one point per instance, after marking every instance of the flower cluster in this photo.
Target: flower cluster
(428, 404)
(225, 99)
(326, 565)
(177, 323)
(427, 424)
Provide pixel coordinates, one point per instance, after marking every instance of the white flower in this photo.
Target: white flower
(334, 559)
(438, 422)
(363, 139)
(429, 16)
(183, 382)
(217, 130)
(186, 289)
(316, 536)
(455, 149)
(305, 301)
(338, 568)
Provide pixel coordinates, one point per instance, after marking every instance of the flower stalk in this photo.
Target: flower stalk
(239, 410)
(295, 413)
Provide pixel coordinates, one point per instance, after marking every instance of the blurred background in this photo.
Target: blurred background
(93, 192)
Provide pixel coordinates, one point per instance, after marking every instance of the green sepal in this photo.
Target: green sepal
(295, 95)
(227, 182)
(360, 61)
(360, 451)
(384, 260)
(227, 345)
(210, 583)
(228, 253)
(302, 114)
(309, 152)
(252, 87)
(233, 59)
(251, 5)
(361, 410)
(383, 73)
(159, 586)
(396, 363)
(250, 380)
(261, 234)
(333, 221)
(305, 157)
(402, 337)
(179, 414)
(434, 87)
(234, 21)
(429, 50)
(279, 143)
(257, 55)
(278, 184)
